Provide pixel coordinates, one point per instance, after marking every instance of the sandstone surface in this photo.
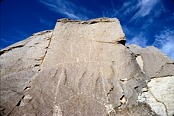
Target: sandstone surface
(83, 68)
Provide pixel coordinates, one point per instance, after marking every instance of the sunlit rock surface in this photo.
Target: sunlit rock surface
(159, 92)
(83, 68)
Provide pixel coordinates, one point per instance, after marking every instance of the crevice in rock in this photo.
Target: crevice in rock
(122, 100)
(136, 87)
(107, 42)
(11, 48)
(42, 59)
(158, 100)
(26, 88)
(2, 113)
(114, 42)
(123, 96)
(132, 53)
(123, 42)
(18, 104)
(161, 76)
(135, 56)
(36, 65)
(111, 89)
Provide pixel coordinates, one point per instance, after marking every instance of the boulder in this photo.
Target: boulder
(83, 68)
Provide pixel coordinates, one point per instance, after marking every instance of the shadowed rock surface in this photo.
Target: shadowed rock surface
(83, 68)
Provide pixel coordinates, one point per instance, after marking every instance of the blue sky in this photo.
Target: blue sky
(145, 22)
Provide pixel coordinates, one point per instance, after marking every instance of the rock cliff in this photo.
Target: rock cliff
(83, 68)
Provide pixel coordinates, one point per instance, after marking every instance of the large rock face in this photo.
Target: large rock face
(159, 92)
(83, 68)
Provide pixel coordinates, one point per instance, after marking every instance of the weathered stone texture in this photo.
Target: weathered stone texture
(159, 92)
(155, 63)
(83, 68)
(19, 63)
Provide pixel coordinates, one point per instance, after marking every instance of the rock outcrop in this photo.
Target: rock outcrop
(83, 68)
(159, 92)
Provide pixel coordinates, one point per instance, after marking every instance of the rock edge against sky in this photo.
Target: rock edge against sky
(84, 68)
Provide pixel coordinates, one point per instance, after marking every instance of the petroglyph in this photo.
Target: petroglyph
(84, 68)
